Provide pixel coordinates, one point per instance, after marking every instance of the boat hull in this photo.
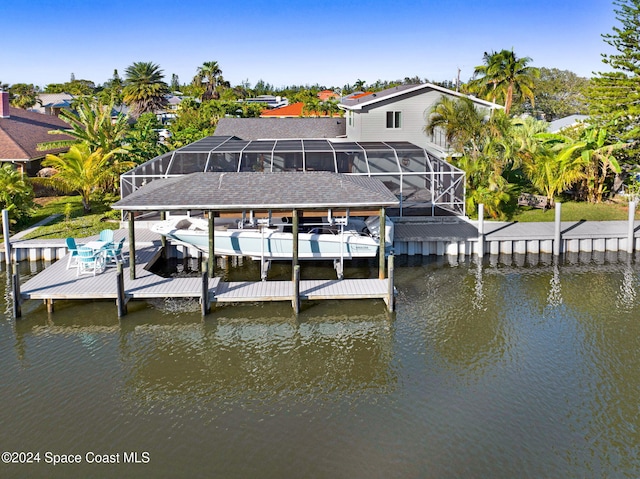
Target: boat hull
(272, 244)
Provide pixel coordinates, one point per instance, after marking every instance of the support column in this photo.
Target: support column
(7, 239)
(383, 240)
(557, 237)
(631, 242)
(163, 239)
(212, 250)
(15, 289)
(390, 295)
(204, 297)
(295, 298)
(294, 226)
(121, 299)
(132, 246)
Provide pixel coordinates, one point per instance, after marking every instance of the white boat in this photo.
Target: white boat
(260, 240)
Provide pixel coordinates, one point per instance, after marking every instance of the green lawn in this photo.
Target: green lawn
(576, 211)
(72, 222)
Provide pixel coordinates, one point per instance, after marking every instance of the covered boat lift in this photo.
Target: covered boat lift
(292, 194)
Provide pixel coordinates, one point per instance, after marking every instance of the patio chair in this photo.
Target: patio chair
(106, 236)
(115, 252)
(89, 261)
(73, 253)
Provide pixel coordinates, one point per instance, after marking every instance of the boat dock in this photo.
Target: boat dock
(56, 282)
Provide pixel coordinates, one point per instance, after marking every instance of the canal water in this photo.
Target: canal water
(506, 369)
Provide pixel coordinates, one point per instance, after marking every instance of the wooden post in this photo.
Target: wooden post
(631, 246)
(480, 230)
(295, 299)
(15, 290)
(204, 298)
(557, 238)
(390, 296)
(7, 240)
(132, 246)
(163, 239)
(212, 254)
(294, 230)
(383, 240)
(49, 303)
(121, 299)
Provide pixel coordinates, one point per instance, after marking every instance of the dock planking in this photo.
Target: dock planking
(56, 282)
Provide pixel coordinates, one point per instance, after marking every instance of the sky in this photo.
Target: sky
(286, 42)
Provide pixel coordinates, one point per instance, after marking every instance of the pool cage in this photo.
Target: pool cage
(424, 184)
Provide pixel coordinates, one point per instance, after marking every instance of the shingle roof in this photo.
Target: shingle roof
(24, 130)
(293, 110)
(249, 190)
(267, 128)
(357, 102)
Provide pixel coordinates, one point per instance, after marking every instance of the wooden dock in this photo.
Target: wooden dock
(56, 282)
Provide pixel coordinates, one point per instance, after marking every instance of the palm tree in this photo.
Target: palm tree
(593, 151)
(80, 170)
(502, 76)
(144, 90)
(461, 122)
(16, 194)
(92, 124)
(209, 76)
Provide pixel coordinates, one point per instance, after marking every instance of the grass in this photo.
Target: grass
(576, 211)
(72, 222)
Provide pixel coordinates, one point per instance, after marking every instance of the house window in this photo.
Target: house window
(394, 119)
(350, 118)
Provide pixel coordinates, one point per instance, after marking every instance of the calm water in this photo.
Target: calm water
(492, 371)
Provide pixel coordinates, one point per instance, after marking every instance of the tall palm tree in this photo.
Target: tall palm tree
(145, 90)
(209, 76)
(80, 170)
(504, 75)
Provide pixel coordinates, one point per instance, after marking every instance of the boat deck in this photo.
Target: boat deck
(56, 282)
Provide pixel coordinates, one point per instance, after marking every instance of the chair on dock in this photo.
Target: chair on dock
(115, 252)
(106, 236)
(90, 261)
(73, 253)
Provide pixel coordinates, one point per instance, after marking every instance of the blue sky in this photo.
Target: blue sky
(284, 42)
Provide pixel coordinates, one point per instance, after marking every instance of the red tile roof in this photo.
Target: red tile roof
(295, 110)
(24, 130)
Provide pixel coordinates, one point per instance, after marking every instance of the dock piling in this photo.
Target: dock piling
(15, 290)
(121, 299)
(295, 298)
(204, 298)
(480, 230)
(630, 234)
(390, 295)
(557, 238)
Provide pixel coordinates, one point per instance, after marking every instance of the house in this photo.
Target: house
(400, 114)
(52, 103)
(556, 126)
(294, 110)
(325, 95)
(269, 128)
(270, 100)
(20, 133)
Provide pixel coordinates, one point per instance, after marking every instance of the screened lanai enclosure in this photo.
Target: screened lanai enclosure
(424, 184)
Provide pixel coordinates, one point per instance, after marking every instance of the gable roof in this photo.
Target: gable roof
(248, 190)
(269, 128)
(359, 102)
(21, 133)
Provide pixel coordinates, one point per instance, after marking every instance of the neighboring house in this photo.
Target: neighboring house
(270, 100)
(556, 126)
(400, 114)
(270, 128)
(295, 110)
(52, 103)
(325, 95)
(20, 133)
